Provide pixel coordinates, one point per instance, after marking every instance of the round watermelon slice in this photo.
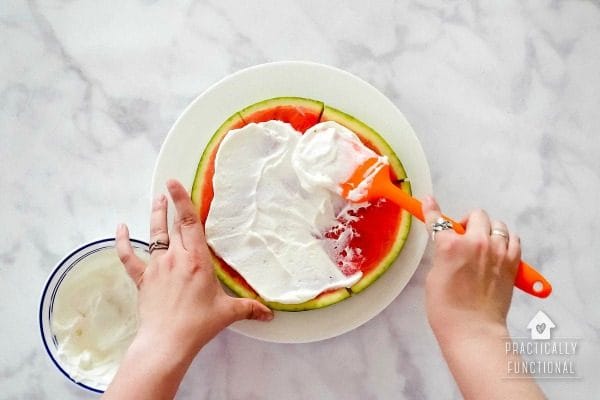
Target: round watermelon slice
(382, 227)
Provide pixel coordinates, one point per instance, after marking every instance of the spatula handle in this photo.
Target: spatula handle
(528, 279)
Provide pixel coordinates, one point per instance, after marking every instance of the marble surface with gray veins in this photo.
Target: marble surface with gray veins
(504, 96)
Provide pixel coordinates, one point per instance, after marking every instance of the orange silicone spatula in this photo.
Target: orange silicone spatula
(371, 180)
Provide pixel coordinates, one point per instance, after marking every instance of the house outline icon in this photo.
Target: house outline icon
(540, 326)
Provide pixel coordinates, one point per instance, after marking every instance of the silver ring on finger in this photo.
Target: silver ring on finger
(158, 245)
(500, 232)
(440, 224)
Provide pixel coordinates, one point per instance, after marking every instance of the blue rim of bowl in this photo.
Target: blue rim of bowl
(45, 292)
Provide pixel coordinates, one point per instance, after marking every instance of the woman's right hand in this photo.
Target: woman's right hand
(468, 291)
(471, 282)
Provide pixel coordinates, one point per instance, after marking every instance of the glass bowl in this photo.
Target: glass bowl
(56, 278)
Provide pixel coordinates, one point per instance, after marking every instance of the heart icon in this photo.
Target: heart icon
(540, 327)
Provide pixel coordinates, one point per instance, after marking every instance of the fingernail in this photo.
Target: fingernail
(121, 227)
(266, 317)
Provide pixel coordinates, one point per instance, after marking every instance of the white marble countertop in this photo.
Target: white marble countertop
(504, 96)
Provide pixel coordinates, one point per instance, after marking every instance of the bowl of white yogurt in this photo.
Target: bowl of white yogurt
(88, 313)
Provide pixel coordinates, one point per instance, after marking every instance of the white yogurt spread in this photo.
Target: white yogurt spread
(327, 155)
(275, 197)
(95, 317)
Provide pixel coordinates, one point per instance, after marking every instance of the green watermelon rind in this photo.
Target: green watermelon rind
(314, 105)
(323, 300)
(232, 284)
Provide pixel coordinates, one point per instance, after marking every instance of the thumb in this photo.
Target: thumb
(250, 309)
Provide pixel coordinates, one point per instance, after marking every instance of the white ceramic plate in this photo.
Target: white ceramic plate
(181, 151)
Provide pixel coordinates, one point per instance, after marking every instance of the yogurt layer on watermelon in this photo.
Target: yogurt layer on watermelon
(328, 154)
(276, 201)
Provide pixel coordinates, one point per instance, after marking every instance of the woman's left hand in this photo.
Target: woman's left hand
(181, 304)
(180, 299)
